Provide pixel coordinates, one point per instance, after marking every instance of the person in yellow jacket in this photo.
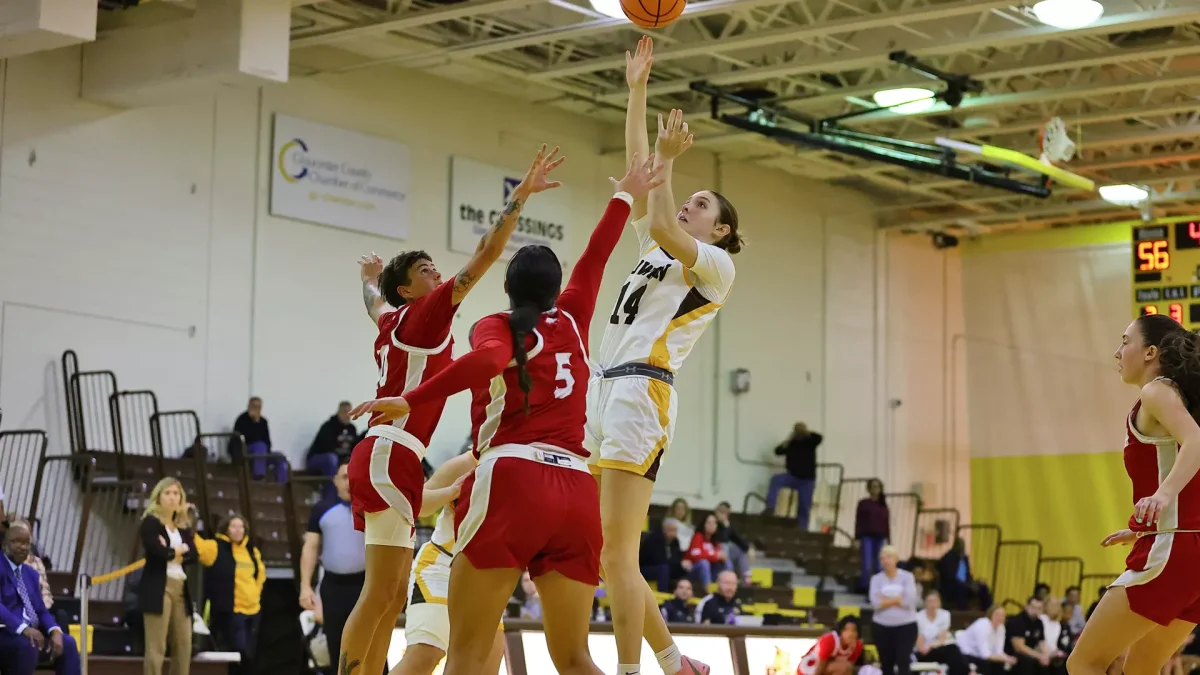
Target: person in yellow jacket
(233, 587)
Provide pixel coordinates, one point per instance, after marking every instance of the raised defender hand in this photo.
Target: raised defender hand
(388, 408)
(370, 267)
(673, 136)
(1121, 537)
(637, 65)
(537, 179)
(640, 177)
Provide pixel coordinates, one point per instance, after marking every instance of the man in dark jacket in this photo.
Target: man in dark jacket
(677, 610)
(800, 454)
(661, 557)
(253, 428)
(958, 586)
(335, 439)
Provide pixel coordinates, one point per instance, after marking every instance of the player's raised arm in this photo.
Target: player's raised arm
(673, 140)
(369, 268)
(491, 246)
(637, 75)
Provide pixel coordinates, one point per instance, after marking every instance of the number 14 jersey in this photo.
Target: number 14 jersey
(664, 307)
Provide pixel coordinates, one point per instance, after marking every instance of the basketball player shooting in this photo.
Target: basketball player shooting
(413, 309)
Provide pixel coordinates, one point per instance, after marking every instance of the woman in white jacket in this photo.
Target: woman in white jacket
(982, 643)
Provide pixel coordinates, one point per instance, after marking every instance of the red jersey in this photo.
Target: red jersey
(829, 647)
(413, 345)
(557, 361)
(1148, 459)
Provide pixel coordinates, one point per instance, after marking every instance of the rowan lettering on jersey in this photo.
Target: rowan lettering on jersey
(645, 269)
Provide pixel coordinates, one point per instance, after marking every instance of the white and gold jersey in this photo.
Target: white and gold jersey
(663, 307)
(429, 581)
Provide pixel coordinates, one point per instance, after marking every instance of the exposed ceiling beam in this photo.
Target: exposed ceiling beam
(410, 20)
(1173, 16)
(753, 39)
(1000, 217)
(1146, 179)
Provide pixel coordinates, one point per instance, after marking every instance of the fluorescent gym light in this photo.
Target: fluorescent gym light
(906, 100)
(1124, 194)
(1068, 14)
(609, 8)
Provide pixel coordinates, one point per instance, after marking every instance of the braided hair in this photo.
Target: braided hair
(532, 280)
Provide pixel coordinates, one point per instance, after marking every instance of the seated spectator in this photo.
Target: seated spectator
(1073, 611)
(30, 634)
(1057, 634)
(721, 607)
(958, 587)
(1041, 591)
(676, 609)
(935, 644)
(681, 512)
(257, 434)
(706, 555)
(872, 529)
(800, 461)
(737, 550)
(1026, 638)
(335, 439)
(233, 587)
(982, 643)
(1094, 605)
(661, 556)
(835, 653)
(531, 604)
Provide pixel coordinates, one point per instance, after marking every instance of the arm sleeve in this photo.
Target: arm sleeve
(579, 297)
(206, 550)
(715, 271)
(874, 592)
(859, 518)
(825, 647)
(314, 517)
(491, 350)
(641, 227)
(910, 591)
(12, 623)
(44, 615)
(154, 548)
(695, 548)
(434, 310)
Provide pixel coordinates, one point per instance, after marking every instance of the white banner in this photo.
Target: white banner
(478, 194)
(713, 650)
(332, 176)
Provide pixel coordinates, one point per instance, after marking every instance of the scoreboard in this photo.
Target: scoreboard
(1166, 270)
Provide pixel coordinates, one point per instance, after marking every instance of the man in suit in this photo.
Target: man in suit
(29, 634)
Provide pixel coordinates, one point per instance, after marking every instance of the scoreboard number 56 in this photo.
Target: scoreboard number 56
(1153, 256)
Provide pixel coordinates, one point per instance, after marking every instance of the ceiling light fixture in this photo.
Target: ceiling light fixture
(906, 100)
(1068, 14)
(609, 8)
(1124, 194)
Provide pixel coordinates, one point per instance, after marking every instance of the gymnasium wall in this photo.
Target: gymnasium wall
(141, 238)
(1044, 313)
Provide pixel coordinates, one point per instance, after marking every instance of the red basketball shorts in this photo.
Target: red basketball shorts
(386, 485)
(532, 508)
(1162, 578)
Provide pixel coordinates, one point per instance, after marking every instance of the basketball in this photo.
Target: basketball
(653, 13)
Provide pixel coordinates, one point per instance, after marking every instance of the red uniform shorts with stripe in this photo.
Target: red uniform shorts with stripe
(1172, 593)
(378, 466)
(529, 508)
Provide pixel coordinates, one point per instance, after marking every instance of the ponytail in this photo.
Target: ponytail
(521, 321)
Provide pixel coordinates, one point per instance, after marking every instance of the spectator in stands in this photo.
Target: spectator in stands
(335, 439)
(1073, 610)
(661, 556)
(1092, 608)
(935, 644)
(872, 529)
(676, 610)
(800, 459)
(29, 633)
(682, 513)
(531, 603)
(1041, 591)
(332, 541)
(982, 643)
(1026, 638)
(893, 594)
(958, 586)
(233, 587)
(721, 607)
(706, 554)
(163, 593)
(257, 433)
(1057, 640)
(737, 550)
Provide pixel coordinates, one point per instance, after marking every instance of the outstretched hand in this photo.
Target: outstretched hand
(537, 179)
(637, 65)
(1121, 537)
(370, 267)
(388, 408)
(640, 177)
(673, 136)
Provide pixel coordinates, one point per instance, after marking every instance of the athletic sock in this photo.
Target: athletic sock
(669, 660)
(626, 669)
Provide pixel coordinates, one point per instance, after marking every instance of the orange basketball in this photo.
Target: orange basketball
(653, 13)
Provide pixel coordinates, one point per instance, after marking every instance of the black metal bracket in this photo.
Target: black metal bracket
(826, 135)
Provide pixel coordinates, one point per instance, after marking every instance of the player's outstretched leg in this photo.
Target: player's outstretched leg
(476, 602)
(377, 606)
(566, 613)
